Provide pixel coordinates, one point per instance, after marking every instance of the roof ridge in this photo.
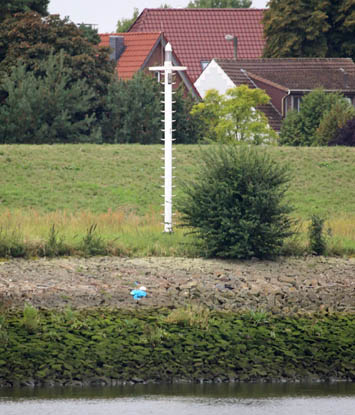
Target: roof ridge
(186, 30)
(131, 33)
(204, 8)
(285, 59)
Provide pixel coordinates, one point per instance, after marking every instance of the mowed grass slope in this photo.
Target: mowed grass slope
(118, 187)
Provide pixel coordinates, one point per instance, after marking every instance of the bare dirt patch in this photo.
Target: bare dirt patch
(285, 285)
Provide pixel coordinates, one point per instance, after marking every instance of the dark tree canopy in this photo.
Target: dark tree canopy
(313, 28)
(9, 8)
(219, 4)
(50, 108)
(31, 38)
(90, 33)
(345, 136)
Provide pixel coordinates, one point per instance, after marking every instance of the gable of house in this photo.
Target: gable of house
(284, 80)
(140, 50)
(199, 35)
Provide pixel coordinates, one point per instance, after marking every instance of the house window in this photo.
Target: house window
(296, 102)
(204, 64)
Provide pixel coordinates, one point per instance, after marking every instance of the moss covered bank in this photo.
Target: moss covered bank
(185, 344)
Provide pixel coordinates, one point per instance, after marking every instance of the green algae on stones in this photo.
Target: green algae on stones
(112, 346)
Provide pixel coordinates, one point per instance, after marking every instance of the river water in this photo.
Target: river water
(222, 399)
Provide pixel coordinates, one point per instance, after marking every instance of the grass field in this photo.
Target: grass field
(118, 189)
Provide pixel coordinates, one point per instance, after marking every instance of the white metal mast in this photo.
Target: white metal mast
(168, 70)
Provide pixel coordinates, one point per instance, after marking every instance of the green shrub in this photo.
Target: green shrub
(92, 243)
(317, 239)
(334, 119)
(12, 244)
(236, 204)
(291, 130)
(54, 245)
(191, 315)
(30, 319)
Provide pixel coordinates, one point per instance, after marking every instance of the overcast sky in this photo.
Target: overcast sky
(106, 13)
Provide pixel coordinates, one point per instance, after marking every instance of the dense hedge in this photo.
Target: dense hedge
(104, 345)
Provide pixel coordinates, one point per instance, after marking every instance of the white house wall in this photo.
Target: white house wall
(213, 77)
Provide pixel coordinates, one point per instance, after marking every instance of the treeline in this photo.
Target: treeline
(58, 85)
(324, 119)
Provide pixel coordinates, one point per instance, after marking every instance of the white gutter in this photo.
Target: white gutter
(283, 103)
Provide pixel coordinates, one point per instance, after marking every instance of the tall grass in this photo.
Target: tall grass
(31, 233)
(82, 199)
(87, 233)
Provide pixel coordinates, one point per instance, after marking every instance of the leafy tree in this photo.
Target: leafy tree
(236, 203)
(314, 28)
(124, 24)
(240, 120)
(301, 128)
(206, 114)
(219, 4)
(235, 117)
(340, 36)
(31, 38)
(133, 111)
(48, 108)
(338, 115)
(9, 8)
(345, 136)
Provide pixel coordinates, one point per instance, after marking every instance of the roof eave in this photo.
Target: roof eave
(137, 19)
(152, 50)
(267, 81)
(351, 91)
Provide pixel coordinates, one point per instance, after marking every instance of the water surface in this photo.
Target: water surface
(223, 399)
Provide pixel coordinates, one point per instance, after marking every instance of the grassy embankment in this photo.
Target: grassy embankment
(107, 199)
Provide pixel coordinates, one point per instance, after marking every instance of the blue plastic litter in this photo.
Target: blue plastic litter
(138, 294)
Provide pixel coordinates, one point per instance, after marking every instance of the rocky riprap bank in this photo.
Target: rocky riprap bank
(282, 286)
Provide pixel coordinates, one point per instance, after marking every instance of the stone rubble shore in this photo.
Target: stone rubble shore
(291, 284)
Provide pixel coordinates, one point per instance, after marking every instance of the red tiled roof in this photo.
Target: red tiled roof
(302, 74)
(199, 34)
(138, 48)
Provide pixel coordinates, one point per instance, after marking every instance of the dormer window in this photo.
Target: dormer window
(204, 63)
